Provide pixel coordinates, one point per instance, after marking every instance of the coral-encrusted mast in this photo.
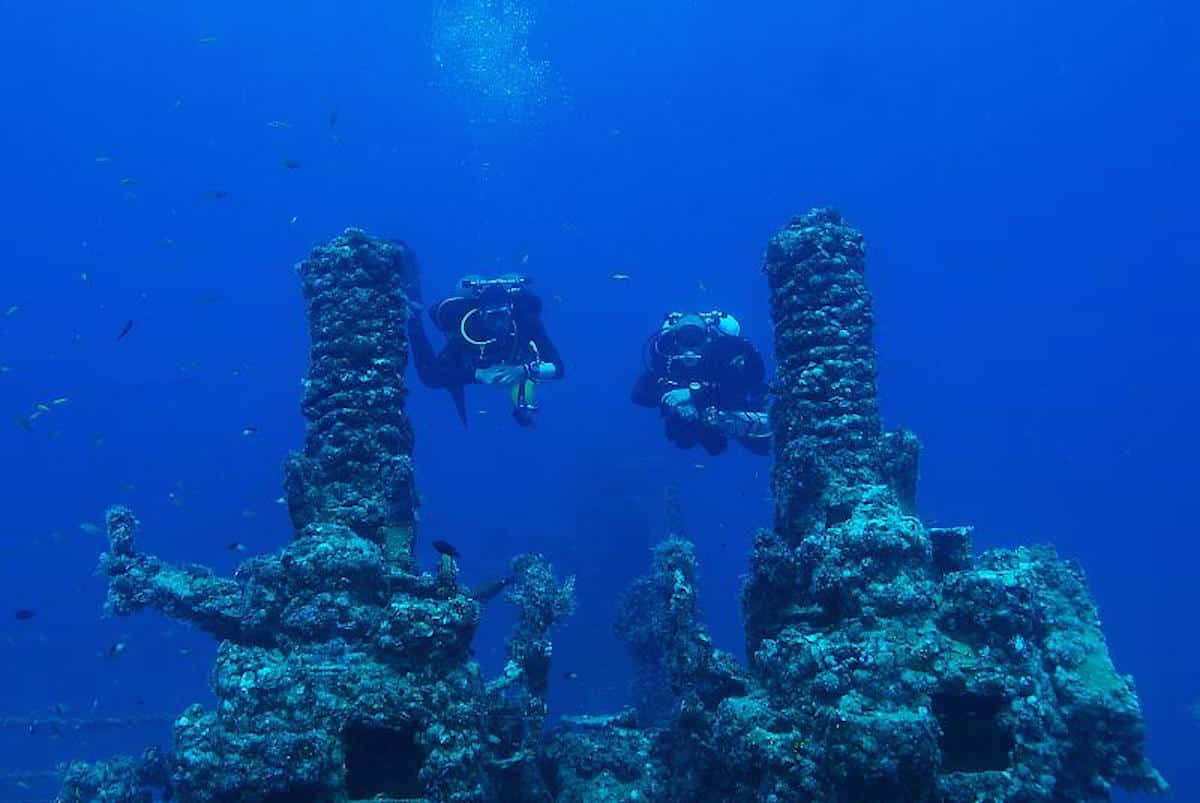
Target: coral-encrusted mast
(826, 417)
(915, 671)
(344, 672)
(824, 342)
(356, 468)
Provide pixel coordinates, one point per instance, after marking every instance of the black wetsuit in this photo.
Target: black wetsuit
(731, 376)
(453, 368)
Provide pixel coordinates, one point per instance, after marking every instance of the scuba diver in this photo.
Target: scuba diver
(494, 336)
(708, 382)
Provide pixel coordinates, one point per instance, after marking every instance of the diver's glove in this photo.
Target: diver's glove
(738, 423)
(501, 375)
(678, 404)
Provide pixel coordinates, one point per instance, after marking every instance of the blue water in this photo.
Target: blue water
(1025, 174)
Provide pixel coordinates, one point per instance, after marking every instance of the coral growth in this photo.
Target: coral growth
(887, 663)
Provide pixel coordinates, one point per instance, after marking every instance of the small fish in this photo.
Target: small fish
(279, 124)
(620, 277)
(524, 259)
(90, 529)
(292, 222)
(11, 311)
(103, 160)
(700, 466)
(248, 514)
(206, 40)
(570, 676)
(214, 195)
(333, 118)
(125, 330)
(292, 164)
(4, 369)
(23, 785)
(702, 286)
(83, 276)
(115, 651)
(129, 182)
(34, 416)
(249, 431)
(25, 614)
(185, 651)
(236, 547)
(445, 548)
(42, 408)
(281, 501)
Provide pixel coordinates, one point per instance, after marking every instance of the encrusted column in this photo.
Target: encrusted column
(826, 417)
(913, 671)
(832, 460)
(356, 468)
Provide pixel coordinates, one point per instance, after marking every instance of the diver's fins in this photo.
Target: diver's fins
(458, 393)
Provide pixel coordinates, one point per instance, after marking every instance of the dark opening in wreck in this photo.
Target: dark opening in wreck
(973, 737)
(382, 762)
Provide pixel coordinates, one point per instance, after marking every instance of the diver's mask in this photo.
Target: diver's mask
(682, 337)
(484, 325)
(491, 316)
(496, 320)
(682, 333)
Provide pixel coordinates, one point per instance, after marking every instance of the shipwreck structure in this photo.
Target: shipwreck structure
(343, 673)
(886, 661)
